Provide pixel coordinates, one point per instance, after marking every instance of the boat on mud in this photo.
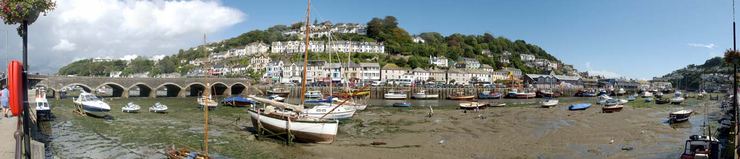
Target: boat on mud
(549, 102)
(579, 106)
(679, 116)
(130, 107)
(473, 105)
(279, 118)
(183, 153)
(91, 104)
(460, 96)
(422, 94)
(207, 101)
(237, 101)
(402, 104)
(395, 94)
(43, 108)
(677, 98)
(612, 105)
(662, 101)
(489, 95)
(158, 108)
(700, 146)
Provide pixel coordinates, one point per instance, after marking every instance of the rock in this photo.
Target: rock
(611, 141)
(628, 148)
(378, 143)
(441, 141)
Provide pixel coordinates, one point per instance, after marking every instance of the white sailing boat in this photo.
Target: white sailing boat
(207, 100)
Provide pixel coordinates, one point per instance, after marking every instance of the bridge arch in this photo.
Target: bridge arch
(117, 89)
(220, 88)
(144, 90)
(195, 88)
(238, 88)
(172, 89)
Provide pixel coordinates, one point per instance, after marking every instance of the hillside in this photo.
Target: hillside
(400, 47)
(712, 73)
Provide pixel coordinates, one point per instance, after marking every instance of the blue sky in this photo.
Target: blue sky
(632, 38)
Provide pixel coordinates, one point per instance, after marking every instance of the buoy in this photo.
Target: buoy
(15, 87)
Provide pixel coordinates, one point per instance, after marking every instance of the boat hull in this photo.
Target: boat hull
(461, 97)
(395, 96)
(579, 107)
(611, 109)
(304, 131)
(489, 96)
(425, 96)
(679, 117)
(401, 104)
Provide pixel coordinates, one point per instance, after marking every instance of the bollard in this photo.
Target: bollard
(18, 144)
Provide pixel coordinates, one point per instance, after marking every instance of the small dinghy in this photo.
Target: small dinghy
(549, 102)
(207, 101)
(579, 106)
(158, 108)
(402, 104)
(130, 107)
(237, 101)
(677, 99)
(472, 105)
(662, 101)
(43, 108)
(679, 116)
(612, 105)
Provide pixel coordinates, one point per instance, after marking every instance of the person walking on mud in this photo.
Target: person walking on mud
(4, 101)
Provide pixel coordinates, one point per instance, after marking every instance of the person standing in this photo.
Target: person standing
(4, 100)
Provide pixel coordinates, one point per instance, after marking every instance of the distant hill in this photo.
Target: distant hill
(486, 48)
(713, 71)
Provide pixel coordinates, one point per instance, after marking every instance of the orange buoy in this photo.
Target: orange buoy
(15, 87)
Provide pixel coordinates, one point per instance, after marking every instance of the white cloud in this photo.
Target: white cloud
(100, 28)
(708, 46)
(607, 74)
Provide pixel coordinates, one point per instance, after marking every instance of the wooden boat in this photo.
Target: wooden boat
(158, 108)
(280, 91)
(662, 101)
(422, 94)
(304, 128)
(612, 108)
(489, 95)
(402, 104)
(237, 101)
(473, 105)
(579, 106)
(549, 102)
(460, 96)
(130, 108)
(699, 146)
(182, 153)
(679, 116)
(395, 94)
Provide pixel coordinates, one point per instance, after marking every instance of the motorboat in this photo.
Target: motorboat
(602, 92)
(422, 94)
(700, 146)
(460, 96)
(662, 101)
(549, 102)
(489, 95)
(280, 91)
(237, 101)
(602, 99)
(91, 104)
(43, 108)
(402, 104)
(130, 107)
(330, 111)
(276, 97)
(473, 105)
(647, 94)
(679, 116)
(621, 91)
(612, 105)
(278, 117)
(579, 106)
(622, 101)
(207, 101)
(158, 108)
(610, 102)
(677, 98)
(395, 94)
(313, 94)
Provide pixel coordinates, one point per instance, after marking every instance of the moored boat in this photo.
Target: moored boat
(91, 104)
(182, 153)
(158, 108)
(579, 106)
(489, 95)
(422, 94)
(280, 91)
(207, 101)
(603, 99)
(662, 101)
(473, 105)
(395, 94)
(402, 104)
(130, 107)
(313, 94)
(279, 117)
(679, 116)
(43, 108)
(546, 103)
(460, 96)
(544, 93)
(699, 146)
(237, 101)
(647, 94)
(611, 105)
(677, 98)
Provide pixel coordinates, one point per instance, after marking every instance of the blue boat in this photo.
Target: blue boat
(324, 100)
(237, 101)
(402, 104)
(579, 106)
(489, 95)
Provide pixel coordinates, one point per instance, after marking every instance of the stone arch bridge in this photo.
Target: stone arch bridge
(147, 87)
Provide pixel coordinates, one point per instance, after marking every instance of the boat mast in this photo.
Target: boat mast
(206, 93)
(305, 55)
(331, 79)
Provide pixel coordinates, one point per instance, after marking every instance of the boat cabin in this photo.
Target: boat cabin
(701, 147)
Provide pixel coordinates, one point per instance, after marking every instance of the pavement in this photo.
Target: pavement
(7, 129)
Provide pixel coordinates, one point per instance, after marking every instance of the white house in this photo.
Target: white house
(420, 74)
(527, 57)
(468, 63)
(392, 72)
(418, 39)
(334, 71)
(438, 61)
(487, 68)
(370, 72)
(274, 70)
(255, 48)
(259, 61)
(355, 46)
(296, 46)
(457, 76)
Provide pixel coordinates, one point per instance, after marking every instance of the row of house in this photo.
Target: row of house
(320, 46)
(321, 71)
(324, 29)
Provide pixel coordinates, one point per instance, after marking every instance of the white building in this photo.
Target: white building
(355, 46)
(468, 63)
(370, 72)
(438, 61)
(296, 46)
(274, 70)
(255, 48)
(259, 62)
(418, 39)
(438, 75)
(457, 76)
(527, 57)
(420, 74)
(392, 72)
(334, 71)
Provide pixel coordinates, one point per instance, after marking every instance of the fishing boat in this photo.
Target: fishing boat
(647, 94)
(207, 100)
(277, 116)
(579, 106)
(395, 94)
(340, 111)
(130, 107)
(158, 108)
(612, 105)
(700, 146)
(489, 95)
(279, 91)
(460, 96)
(313, 94)
(43, 108)
(237, 101)
(677, 99)
(473, 105)
(275, 97)
(602, 99)
(402, 104)
(549, 102)
(422, 94)
(679, 116)
(662, 101)
(91, 104)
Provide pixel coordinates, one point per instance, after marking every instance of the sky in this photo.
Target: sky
(628, 38)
